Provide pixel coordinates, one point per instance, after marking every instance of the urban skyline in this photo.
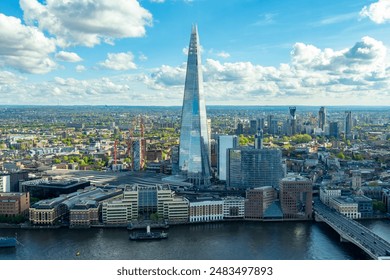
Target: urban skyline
(133, 52)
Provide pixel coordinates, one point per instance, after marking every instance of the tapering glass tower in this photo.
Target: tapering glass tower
(194, 141)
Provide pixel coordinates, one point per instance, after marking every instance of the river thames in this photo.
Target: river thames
(218, 241)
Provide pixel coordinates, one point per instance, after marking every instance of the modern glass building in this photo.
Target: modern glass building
(194, 160)
(252, 168)
(224, 142)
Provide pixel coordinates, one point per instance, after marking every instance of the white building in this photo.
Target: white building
(346, 206)
(205, 209)
(233, 207)
(224, 142)
(327, 193)
(5, 183)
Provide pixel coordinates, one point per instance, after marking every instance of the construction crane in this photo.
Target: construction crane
(115, 151)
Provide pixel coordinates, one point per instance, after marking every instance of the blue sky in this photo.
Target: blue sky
(254, 52)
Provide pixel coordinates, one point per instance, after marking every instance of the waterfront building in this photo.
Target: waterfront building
(326, 193)
(224, 142)
(251, 168)
(205, 209)
(118, 212)
(176, 210)
(50, 211)
(257, 201)
(296, 196)
(14, 204)
(365, 206)
(194, 158)
(346, 206)
(233, 207)
(85, 209)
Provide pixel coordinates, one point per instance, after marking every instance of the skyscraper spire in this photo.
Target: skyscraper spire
(194, 141)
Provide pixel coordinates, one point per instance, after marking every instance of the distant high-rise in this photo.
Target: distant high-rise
(334, 130)
(259, 139)
(293, 120)
(348, 124)
(322, 118)
(194, 160)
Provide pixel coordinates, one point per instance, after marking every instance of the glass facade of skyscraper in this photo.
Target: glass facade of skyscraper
(194, 160)
(251, 168)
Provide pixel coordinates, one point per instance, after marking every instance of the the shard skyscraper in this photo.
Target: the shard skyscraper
(194, 160)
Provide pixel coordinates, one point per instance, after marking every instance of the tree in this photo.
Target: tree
(340, 155)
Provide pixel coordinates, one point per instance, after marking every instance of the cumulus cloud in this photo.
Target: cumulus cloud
(85, 22)
(313, 74)
(68, 56)
(223, 54)
(119, 61)
(24, 48)
(9, 78)
(378, 12)
(80, 68)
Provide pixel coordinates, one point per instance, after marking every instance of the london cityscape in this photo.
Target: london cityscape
(213, 159)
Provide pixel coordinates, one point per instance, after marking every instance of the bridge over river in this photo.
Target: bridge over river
(351, 231)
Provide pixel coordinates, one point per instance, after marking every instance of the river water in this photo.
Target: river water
(219, 241)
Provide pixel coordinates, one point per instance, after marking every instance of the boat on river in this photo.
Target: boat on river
(148, 235)
(7, 242)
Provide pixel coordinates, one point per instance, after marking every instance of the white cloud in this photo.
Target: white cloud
(142, 57)
(312, 76)
(68, 56)
(378, 12)
(157, 1)
(24, 48)
(80, 68)
(223, 54)
(86, 22)
(119, 61)
(9, 78)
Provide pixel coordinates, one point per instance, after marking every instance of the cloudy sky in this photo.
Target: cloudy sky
(254, 52)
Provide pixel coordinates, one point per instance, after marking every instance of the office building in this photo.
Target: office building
(322, 118)
(334, 130)
(194, 158)
(205, 209)
(257, 201)
(296, 196)
(14, 204)
(5, 183)
(252, 168)
(233, 207)
(348, 124)
(259, 139)
(224, 142)
(292, 121)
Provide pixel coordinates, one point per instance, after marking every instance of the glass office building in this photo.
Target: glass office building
(252, 168)
(194, 160)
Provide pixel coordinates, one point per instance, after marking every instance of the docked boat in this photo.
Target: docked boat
(7, 242)
(148, 235)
